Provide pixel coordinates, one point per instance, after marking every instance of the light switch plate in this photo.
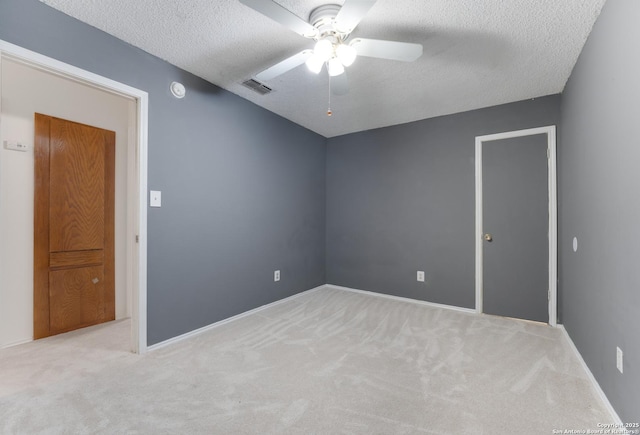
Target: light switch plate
(15, 146)
(619, 363)
(155, 198)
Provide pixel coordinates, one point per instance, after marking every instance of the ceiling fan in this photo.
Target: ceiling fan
(330, 26)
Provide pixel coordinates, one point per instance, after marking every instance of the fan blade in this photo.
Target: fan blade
(404, 51)
(284, 66)
(340, 84)
(351, 13)
(281, 15)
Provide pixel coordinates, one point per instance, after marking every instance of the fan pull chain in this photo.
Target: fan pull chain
(329, 112)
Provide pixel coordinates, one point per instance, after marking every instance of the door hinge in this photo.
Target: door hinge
(137, 238)
(548, 295)
(548, 153)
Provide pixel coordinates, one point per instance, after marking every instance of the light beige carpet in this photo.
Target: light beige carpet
(327, 362)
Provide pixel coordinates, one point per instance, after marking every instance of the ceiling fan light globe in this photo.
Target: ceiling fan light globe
(323, 49)
(335, 67)
(314, 64)
(347, 54)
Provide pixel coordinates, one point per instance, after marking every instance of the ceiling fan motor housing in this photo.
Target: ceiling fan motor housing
(323, 19)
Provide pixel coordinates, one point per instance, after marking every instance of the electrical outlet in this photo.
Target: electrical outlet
(420, 276)
(619, 362)
(276, 275)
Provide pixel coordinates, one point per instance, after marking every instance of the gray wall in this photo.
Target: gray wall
(402, 199)
(243, 189)
(600, 204)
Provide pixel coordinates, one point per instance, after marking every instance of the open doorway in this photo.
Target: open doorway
(35, 84)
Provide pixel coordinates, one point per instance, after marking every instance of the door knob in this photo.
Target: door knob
(488, 237)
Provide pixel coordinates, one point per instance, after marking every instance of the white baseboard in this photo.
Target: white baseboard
(400, 298)
(225, 321)
(16, 343)
(592, 379)
(331, 286)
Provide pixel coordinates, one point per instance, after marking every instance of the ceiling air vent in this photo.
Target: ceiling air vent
(255, 85)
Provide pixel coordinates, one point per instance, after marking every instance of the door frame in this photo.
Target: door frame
(550, 131)
(136, 193)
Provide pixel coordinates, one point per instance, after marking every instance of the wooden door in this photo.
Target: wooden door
(74, 274)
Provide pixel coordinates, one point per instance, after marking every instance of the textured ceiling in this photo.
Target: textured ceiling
(477, 53)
